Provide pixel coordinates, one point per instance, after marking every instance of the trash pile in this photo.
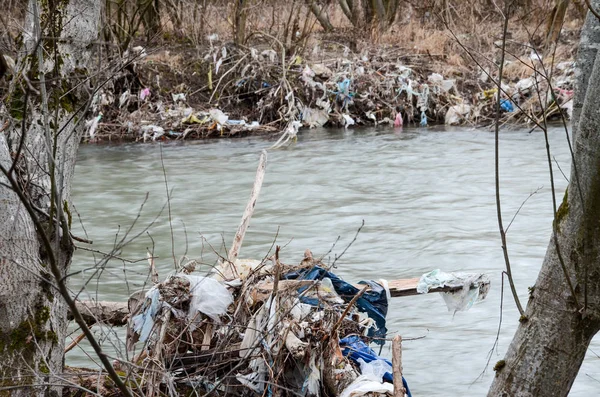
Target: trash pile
(247, 91)
(239, 91)
(524, 101)
(261, 327)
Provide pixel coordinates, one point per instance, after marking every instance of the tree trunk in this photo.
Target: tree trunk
(586, 55)
(321, 15)
(556, 20)
(33, 315)
(239, 26)
(550, 343)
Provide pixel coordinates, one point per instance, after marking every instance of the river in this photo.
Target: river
(426, 197)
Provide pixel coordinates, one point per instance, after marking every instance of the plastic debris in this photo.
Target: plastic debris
(374, 369)
(124, 98)
(192, 119)
(236, 122)
(92, 125)
(423, 122)
(371, 116)
(457, 113)
(178, 97)
(470, 288)
(373, 302)
(209, 297)
(506, 105)
(218, 117)
(290, 134)
(143, 323)
(322, 71)
(348, 121)
(152, 132)
(524, 84)
(314, 117)
(205, 295)
(398, 122)
(438, 82)
(145, 94)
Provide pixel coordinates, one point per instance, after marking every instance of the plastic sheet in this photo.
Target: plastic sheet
(314, 117)
(473, 288)
(456, 113)
(373, 302)
(144, 322)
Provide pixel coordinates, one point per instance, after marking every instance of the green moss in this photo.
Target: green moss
(499, 365)
(16, 104)
(22, 336)
(43, 368)
(523, 319)
(68, 212)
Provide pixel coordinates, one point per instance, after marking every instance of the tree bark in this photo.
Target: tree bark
(550, 343)
(586, 55)
(33, 316)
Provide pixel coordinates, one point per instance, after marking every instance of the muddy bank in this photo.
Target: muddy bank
(224, 90)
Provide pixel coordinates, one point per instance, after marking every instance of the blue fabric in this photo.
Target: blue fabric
(373, 302)
(354, 348)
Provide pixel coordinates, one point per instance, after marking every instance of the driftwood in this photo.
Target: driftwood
(399, 390)
(241, 232)
(113, 313)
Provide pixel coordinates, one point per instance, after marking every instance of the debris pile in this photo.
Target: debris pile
(255, 327)
(239, 91)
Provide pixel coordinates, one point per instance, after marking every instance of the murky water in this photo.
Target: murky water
(426, 196)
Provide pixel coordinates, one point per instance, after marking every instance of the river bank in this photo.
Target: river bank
(223, 90)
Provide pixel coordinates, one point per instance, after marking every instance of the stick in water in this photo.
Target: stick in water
(397, 366)
(239, 235)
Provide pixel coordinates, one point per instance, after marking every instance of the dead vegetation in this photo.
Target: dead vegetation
(192, 73)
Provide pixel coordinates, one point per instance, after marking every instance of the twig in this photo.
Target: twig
(162, 163)
(75, 342)
(497, 167)
(346, 311)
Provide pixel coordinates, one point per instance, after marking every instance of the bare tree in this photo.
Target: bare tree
(49, 93)
(563, 313)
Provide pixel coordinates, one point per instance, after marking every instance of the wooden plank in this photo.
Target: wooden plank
(408, 287)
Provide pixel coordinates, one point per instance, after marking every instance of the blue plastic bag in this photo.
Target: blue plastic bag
(354, 348)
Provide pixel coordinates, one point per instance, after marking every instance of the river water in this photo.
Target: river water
(426, 197)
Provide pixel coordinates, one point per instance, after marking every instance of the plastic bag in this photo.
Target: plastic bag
(209, 297)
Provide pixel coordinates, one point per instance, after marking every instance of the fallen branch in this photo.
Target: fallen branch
(116, 313)
(399, 390)
(241, 232)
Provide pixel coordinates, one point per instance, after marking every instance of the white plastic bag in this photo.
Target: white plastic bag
(209, 297)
